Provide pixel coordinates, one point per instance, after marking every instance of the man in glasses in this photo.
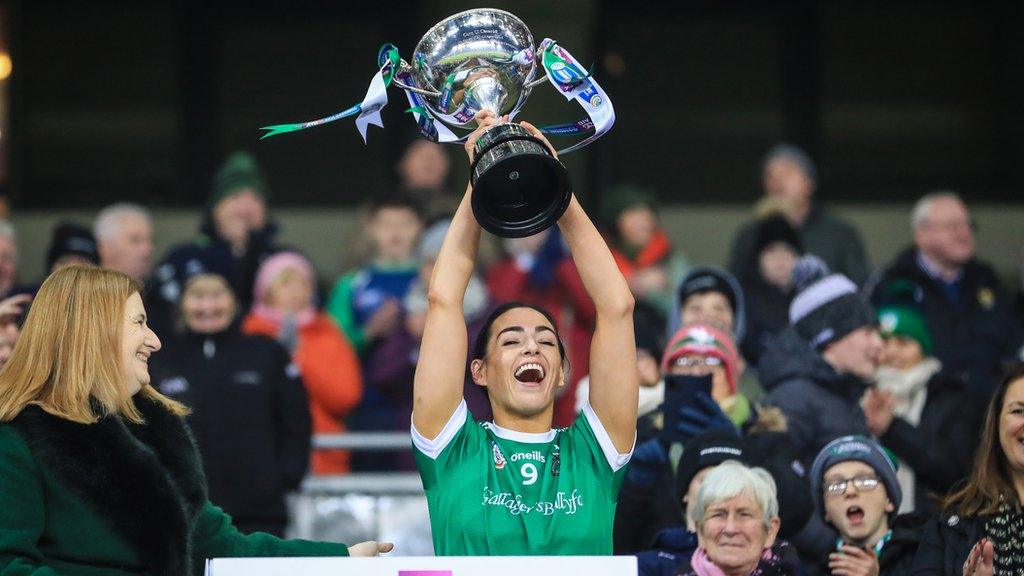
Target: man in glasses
(856, 491)
(967, 311)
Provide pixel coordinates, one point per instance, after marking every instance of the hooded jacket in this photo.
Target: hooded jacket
(115, 499)
(739, 315)
(250, 417)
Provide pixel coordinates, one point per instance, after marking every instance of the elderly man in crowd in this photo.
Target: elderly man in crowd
(968, 314)
(124, 238)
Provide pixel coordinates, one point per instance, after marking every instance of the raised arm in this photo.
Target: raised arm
(613, 375)
(441, 370)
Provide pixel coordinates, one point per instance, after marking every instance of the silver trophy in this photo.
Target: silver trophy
(485, 59)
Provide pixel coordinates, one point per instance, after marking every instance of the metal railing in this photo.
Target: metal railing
(388, 506)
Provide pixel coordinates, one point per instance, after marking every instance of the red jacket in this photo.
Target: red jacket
(330, 371)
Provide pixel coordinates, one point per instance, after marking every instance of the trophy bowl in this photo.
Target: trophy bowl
(484, 59)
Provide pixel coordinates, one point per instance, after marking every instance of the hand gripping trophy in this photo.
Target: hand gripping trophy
(484, 59)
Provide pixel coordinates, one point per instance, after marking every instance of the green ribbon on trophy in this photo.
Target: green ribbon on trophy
(368, 110)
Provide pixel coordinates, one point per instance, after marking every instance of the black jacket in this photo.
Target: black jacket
(767, 316)
(973, 337)
(820, 405)
(940, 447)
(250, 417)
(897, 558)
(946, 542)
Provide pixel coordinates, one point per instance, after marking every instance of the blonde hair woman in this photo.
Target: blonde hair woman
(98, 471)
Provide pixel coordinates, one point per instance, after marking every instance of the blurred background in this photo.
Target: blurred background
(141, 100)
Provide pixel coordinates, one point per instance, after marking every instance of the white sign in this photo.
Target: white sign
(427, 566)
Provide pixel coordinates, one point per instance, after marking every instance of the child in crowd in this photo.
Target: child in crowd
(855, 489)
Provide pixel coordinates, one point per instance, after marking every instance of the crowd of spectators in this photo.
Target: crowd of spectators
(798, 413)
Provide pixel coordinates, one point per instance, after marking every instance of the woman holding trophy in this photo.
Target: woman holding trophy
(515, 486)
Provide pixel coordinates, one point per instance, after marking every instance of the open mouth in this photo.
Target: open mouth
(144, 358)
(855, 514)
(530, 373)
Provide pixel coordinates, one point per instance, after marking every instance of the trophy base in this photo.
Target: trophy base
(519, 188)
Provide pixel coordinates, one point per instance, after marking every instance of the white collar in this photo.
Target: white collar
(524, 437)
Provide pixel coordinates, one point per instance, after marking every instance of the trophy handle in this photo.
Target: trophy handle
(531, 85)
(405, 67)
(419, 91)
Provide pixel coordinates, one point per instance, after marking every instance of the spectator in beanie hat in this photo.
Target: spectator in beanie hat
(855, 488)
(703, 344)
(236, 234)
(709, 295)
(817, 370)
(917, 410)
(71, 244)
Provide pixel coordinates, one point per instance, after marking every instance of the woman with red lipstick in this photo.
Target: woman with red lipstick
(982, 530)
(515, 486)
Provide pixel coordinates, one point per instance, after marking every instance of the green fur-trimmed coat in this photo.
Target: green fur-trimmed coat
(115, 499)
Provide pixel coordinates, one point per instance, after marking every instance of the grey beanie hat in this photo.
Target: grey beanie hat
(860, 449)
(794, 154)
(827, 306)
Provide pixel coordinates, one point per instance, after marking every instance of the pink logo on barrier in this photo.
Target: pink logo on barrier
(424, 573)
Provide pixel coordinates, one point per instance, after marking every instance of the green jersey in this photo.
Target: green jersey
(493, 491)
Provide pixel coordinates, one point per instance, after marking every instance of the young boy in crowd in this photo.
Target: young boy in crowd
(366, 302)
(855, 488)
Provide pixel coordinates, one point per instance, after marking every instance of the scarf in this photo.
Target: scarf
(273, 315)
(657, 249)
(909, 389)
(1006, 531)
(775, 561)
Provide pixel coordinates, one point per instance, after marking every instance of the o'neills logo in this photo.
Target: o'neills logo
(535, 456)
(499, 459)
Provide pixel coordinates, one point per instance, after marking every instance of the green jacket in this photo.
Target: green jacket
(115, 499)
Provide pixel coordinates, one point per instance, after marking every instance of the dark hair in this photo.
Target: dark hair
(480, 346)
(400, 198)
(990, 480)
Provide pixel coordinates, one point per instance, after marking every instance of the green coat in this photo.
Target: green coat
(115, 499)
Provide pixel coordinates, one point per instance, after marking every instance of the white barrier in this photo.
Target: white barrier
(427, 566)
